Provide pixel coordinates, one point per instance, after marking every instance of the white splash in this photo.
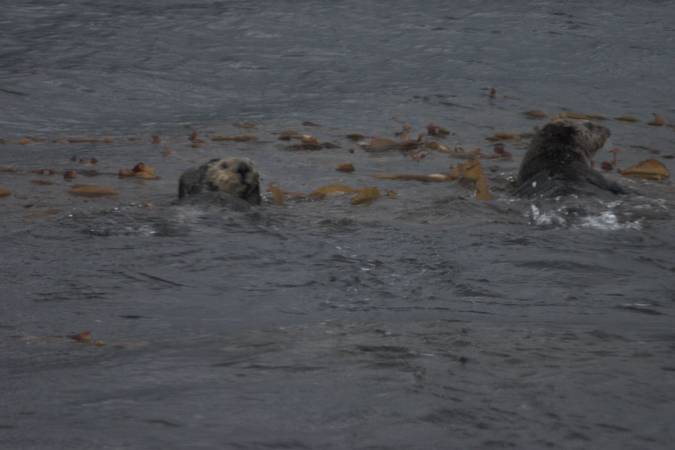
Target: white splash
(608, 221)
(546, 219)
(604, 220)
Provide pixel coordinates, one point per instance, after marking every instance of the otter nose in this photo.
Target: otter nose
(243, 169)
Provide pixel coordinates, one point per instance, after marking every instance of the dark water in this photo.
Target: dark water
(431, 320)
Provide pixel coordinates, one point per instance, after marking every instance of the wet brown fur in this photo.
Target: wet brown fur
(236, 177)
(558, 161)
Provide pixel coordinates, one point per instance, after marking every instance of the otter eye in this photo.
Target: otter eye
(223, 165)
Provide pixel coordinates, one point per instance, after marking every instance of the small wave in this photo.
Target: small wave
(189, 214)
(608, 221)
(563, 217)
(552, 218)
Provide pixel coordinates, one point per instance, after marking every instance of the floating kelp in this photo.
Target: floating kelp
(435, 130)
(473, 172)
(87, 172)
(505, 136)
(404, 134)
(608, 166)
(287, 135)
(535, 114)
(365, 196)
(649, 169)
(307, 142)
(235, 138)
(482, 189)
(355, 137)
(580, 116)
(155, 139)
(411, 144)
(38, 182)
(346, 167)
(69, 174)
(437, 147)
(86, 337)
(381, 145)
(433, 177)
(43, 171)
(144, 171)
(245, 125)
(307, 123)
(461, 153)
(658, 121)
(277, 194)
(86, 190)
(88, 140)
(417, 154)
(627, 119)
(308, 139)
(499, 151)
(83, 337)
(195, 139)
(4, 192)
(140, 170)
(492, 93)
(405, 143)
(362, 195)
(39, 214)
(331, 189)
(32, 140)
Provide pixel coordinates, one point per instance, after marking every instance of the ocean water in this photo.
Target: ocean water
(427, 320)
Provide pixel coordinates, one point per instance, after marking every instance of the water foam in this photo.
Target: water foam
(602, 220)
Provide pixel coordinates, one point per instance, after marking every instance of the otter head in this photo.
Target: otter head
(233, 176)
(583, 137)
(560, 144)
(558, 161)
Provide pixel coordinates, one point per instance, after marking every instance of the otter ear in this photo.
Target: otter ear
(595, 128)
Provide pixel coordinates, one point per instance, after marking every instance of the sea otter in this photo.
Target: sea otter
(222, 178)
(558, 161)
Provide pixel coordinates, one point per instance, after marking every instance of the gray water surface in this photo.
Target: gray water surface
(429, 320)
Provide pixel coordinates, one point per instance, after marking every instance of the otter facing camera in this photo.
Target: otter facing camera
(235, 177)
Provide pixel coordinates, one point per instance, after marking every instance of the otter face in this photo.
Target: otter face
(234, 176)
(591, 137)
